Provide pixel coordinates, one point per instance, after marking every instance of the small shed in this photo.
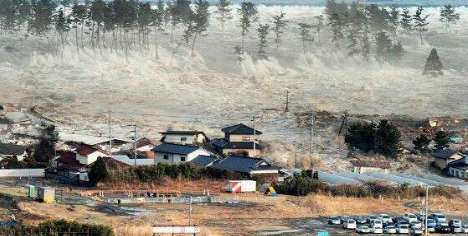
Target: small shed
(46, 194)
(32, 191)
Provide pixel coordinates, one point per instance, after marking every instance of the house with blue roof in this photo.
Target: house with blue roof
(240, 140)
(171, 153)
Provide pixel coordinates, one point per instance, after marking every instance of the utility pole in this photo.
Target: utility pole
(134, 145)
(254, 138)
(190, 211)
(426, 210)
(312, 121)
(110, 132)
(286, 109)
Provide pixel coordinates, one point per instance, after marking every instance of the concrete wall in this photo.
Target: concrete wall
(22, 173)
(250, 152)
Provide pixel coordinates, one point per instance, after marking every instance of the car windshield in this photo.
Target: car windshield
(351, 221)
(390, 227)
(403, 226)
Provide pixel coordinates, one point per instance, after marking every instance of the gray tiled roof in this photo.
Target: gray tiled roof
(240, 129)
(11, 149)
(242, 164)
(175, 148)
(444, 153)
(203, 161)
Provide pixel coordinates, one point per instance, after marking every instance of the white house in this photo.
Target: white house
(175, 153)
(184, 137)
(87, 155)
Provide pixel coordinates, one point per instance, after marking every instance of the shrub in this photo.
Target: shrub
(62, 226)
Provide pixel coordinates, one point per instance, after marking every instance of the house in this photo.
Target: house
(239, 139)
(87, 154)
(12, 150)
(198, 138)
(443, 157)
(176, 153)
(69, 170)
(362, 166)
(117, 144)
(246, 165)
(459, 168)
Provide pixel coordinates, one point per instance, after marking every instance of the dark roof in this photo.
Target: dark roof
(203, 161)
(68, 161)
(239, 129)
(459, 164)
(143, 142)
(375, 164)
(85, 150)
(243, 164)
(114, 142)
(181, 132)
(175, 148)
(444, 153)
(11, 149)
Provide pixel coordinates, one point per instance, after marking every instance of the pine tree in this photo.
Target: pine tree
(355, 28)
(279, 24)
(421, 142)
(396, 52)
(305, 35)
(337, 18)
(420, 22)
(318, 26)
(394, 21)
(406, 21)
(98, 171)
(42, 16)
(441, 139)
(262, 30)
(248, 15)
(224, 13)
(448, 15)
(387, 139)
(61, 25)
(97, 15)
(79, 13)
(201, 16)
(433, 65)
(383, 46)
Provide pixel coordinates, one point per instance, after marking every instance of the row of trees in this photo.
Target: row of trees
(130, 24)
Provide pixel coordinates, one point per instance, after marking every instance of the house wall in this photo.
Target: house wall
(177, 159)
(242, 137)
(90, 159)
(458, 173)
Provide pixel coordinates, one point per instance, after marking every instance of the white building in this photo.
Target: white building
(175, 153)
(184, 137)
(87, 155)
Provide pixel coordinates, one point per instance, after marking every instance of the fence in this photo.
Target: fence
(4, 173)
(30, 232)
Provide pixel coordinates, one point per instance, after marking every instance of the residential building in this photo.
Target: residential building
(12, 150)
(362, 166)
(445, 156)
(239, 139)
(459, 168)
(198, 138)
(87, 155)
(246, 165)
(176, 153)
(204, 161)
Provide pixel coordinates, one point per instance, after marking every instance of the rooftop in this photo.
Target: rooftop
(243, 164)
(240, 129)
(203, 161)
(85, 150)
(175, 148)
(11, 149)
(444, 153)
(182, 132)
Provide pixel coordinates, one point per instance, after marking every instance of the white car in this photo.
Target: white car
(377, 223)
(349, 224)
(377, 230)
(334, 220)
(403, 229)
(417, 224)
(457, 229)
(455, 223)
(410, 217)
(363, 229)
(390, 229)
(439, 218)
(386, 219)
(465, 229)
(416, 230)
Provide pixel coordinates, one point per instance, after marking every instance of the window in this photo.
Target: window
(166, 157)
(182, 158)
(183, 139)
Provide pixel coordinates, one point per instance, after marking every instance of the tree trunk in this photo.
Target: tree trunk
(193, 44)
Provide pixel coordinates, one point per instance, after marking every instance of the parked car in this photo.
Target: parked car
(349, 224)
(439, 217)
(465, 229)
(416, 230)
(376, 223)
(431, 224)
(371, 218)
(457, 229)
(403, 229)
(390, 229)
(363, 229)
(360, 220)
(410, 217)
(334, 220)
(386, 219)
(377, 229)
(455, 222)
(417, 224)
(443, 228)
